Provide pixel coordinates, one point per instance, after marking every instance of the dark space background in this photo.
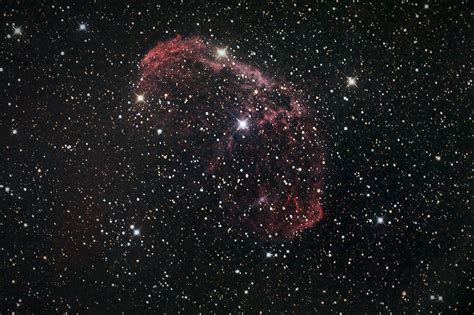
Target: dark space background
(75, 176)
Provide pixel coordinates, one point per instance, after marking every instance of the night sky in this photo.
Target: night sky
(248, 158)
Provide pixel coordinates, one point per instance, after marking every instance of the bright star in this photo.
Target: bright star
(136, 232)
(140, 98)
(243, 124)
(82, 26)
(351, 81)
(221, 52)
(379, 220)
(17, 31)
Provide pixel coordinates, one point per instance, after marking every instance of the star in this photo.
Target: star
(380, 220)
(221, 52)
(17, 31)
(82, 27)
(243, 124)
(136, 232)
(140, 98)
(351, 81)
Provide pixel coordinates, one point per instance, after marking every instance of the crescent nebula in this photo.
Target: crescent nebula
(246, 144)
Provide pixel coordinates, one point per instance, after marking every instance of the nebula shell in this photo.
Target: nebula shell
(249, 142)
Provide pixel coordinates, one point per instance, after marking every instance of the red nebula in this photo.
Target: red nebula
(247, 138)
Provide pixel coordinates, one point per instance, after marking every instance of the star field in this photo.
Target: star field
(249, 158)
